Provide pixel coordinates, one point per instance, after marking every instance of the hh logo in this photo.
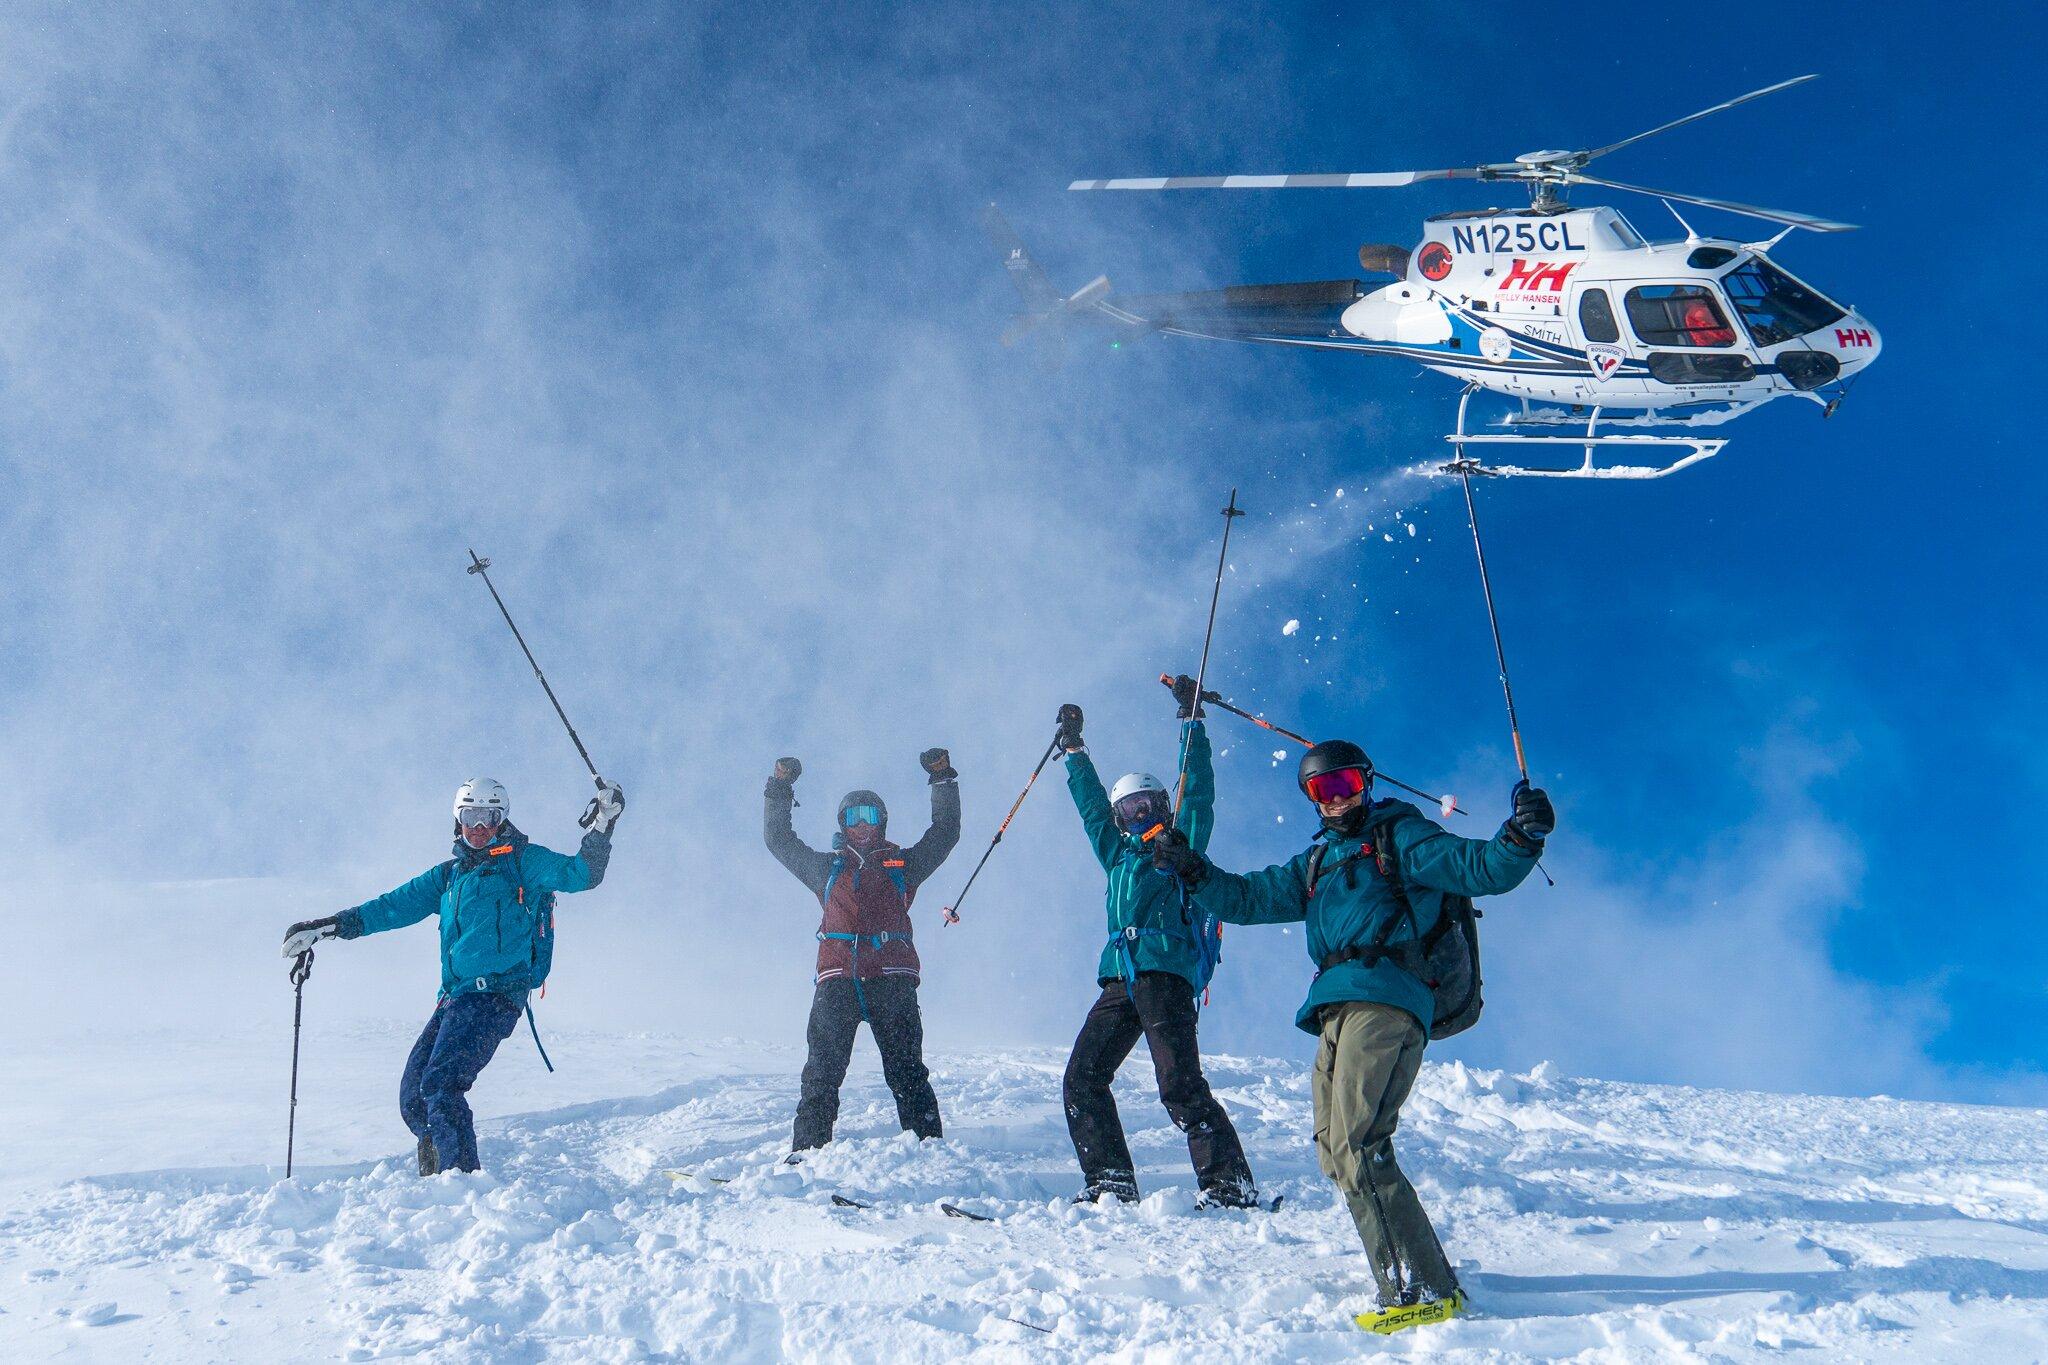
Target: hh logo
(1845, 337)
(1604, 359)
(1538, 277)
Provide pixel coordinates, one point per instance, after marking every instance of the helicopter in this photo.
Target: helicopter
(1571, 313)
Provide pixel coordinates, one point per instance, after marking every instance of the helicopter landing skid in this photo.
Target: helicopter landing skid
(1696, 449)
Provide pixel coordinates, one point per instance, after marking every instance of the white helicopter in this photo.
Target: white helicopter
(1569, 311)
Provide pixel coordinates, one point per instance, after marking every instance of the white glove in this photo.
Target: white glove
(301, 937)
(604, 809)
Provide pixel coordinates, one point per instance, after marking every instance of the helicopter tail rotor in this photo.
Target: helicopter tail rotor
(1044, 303)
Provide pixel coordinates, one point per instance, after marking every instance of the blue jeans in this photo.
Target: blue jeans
(451, 1053)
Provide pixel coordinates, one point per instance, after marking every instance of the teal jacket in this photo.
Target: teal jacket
(1352, 901)
(496, 907)
(1151, 928)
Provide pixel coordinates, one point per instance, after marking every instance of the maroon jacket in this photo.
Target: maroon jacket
(866, 894)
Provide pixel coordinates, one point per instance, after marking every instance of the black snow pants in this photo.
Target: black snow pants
(889, 1004)
(1161, 1006)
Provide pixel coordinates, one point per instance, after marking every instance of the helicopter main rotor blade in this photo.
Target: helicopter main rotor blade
(1360, 180)
(1690, 118)
(1804, 220)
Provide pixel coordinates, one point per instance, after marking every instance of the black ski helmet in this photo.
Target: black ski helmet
(862, 798)
(1332, 755)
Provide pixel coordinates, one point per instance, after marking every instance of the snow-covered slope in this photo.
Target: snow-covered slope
(1593, 1220)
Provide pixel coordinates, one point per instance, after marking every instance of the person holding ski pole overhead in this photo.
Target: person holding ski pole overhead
(496, 900)
(867, 966)
(1380, 889)
(1156, 964)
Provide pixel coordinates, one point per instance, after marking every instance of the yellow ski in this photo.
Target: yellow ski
(1387, 1321)
(698, 1175)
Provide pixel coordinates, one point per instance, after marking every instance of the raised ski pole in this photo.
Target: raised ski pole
(302, 967)
(1493, 618)
(480, 567)
(1447, 804)
(1500, 656)
(952, 915)
(1230, 514)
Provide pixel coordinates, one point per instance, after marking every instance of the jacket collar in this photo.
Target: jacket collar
(509, 840)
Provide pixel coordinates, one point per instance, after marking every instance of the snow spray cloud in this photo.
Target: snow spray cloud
(295, 309)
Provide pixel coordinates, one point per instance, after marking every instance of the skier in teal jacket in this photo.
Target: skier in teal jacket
(496, 899)
(1369, 890)
(1156, 963)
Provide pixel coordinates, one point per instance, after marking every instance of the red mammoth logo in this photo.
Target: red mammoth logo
(1434, 260)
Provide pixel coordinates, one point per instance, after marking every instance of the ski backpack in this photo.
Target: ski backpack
(1446, 959)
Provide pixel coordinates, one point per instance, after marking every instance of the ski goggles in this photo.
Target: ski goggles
(1338, 785)
(479, 817)
(860, 815)
(1141, 810)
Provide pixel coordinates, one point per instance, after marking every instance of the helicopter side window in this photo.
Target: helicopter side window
(1596, 316)
(1678, 315)
(1774, 306)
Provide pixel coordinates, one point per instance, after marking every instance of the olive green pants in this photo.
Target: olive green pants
(1365, 1067)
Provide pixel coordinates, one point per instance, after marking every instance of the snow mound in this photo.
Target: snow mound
(1590, 1219)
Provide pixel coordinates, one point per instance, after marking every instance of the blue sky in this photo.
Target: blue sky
(686, 320)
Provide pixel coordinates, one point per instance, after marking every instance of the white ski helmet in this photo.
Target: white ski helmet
(1131, 783)
(481, 793)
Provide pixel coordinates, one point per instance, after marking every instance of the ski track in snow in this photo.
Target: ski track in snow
(1592, 1221)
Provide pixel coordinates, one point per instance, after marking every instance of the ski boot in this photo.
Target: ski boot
(1123, 1188)
(1233, 1195)
(430, 1160)
(1401, 1316)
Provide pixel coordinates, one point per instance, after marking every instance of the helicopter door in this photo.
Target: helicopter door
(1607, 350)
(1690, 340)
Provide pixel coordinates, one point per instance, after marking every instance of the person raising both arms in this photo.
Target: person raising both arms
(867, 966)
(1371, 889)
(1157, 962)
(496, 900)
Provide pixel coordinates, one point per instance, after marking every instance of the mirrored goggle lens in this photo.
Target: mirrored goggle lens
(1141, 808)
(1335, 786)
(478, 817)
(860, 815)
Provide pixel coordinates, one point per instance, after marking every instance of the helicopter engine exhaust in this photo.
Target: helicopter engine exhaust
(1379, 259)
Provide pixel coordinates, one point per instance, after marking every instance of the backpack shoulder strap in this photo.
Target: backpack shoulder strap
(1315, 866)
(1388, 860)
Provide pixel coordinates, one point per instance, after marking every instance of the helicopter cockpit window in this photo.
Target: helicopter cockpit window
(1678, 315)
(1596, 316)
(1774, 306)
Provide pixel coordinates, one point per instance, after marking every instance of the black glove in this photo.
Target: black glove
(1171, 852)
(782, 782)
(604, 809)
(301, 937)
(1534, 817)
(1190, 705)
(1069, 733)
(939, 764)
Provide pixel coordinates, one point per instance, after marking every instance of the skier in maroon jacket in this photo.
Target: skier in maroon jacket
(867, 964)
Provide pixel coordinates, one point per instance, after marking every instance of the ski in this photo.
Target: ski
(840, 1200)
(955, 1211)
(1387, 1321)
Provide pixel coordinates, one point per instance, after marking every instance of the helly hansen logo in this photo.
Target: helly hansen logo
(1846, 337)
(1538, 277)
